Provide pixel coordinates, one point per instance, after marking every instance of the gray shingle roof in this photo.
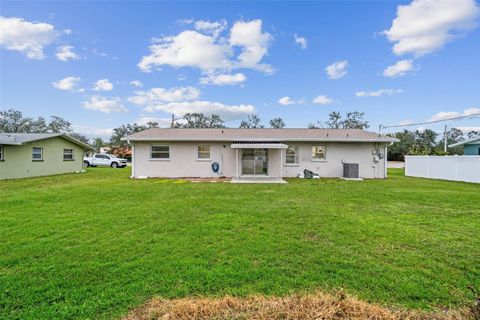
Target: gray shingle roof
(22, 138)
(239, 135)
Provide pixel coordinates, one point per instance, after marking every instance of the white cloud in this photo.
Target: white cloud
(65, 53)
(204, 49)
(156, 96)
(378, 93)
(223, 79)
(468, 129)
(93, 131)
(105, 105)
(67, 84)
(322, 99)
(337, 69)
(99, 53)
(301, 41)
(187, 49)
(136, 83)
(29, 38)
(226, 112)
(183, 100)
(425, 26)
(254, 43)
(286, 101)
(210, 27)
(398, 69)
(103, 85)
(442, 115)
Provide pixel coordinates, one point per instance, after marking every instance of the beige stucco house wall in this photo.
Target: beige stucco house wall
(17, 160)
(183, 160)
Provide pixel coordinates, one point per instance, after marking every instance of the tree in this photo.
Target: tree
(58, 125)
(454, 135)
(123, 131)
(354, 120)
(425, 142)
(334, 120)
(80, 137)
(315, 125)
(252, 122)
(152, 124)
(473, 134)
(277, 123)
(13, 121)
(39, 126)
(200, 120)
(398, 150)
(98, 143)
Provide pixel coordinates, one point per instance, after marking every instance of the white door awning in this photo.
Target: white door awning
(252, 145)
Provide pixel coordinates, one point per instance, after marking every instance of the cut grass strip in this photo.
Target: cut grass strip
(311, 306)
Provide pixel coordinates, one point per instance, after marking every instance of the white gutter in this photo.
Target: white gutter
(258, 146)
(263, 139)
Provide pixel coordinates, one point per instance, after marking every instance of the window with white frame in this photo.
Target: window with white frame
(203, 152)
(37, 153)
(1, 152)
(67, 154)
(160, 152)
(318, 153)
(291, 155)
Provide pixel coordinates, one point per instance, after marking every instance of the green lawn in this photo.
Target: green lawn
(95, 245)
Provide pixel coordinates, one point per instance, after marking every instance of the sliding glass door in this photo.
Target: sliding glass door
(255, 162)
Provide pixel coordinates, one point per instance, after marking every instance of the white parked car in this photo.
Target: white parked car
(98, 159)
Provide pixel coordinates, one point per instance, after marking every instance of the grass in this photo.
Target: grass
(95, 245)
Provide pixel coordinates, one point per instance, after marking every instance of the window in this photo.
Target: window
(102, 156)
(318, 153)
(291, 155)
(160, 152)
(37, 154)
(203, 152)
(1, 152)
(67, 154)
(478, 153)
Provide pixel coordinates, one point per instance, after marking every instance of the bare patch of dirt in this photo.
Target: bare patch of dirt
(311, 306)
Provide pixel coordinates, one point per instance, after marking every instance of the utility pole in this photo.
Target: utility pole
(173, 121)
(445, 139)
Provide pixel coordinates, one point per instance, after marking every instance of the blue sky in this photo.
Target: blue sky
(237, 58)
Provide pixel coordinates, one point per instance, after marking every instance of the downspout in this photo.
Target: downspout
(236, 163)
(385, 160)
(133, 159)
(281, 163)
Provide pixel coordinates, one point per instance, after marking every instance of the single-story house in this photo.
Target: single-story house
(471, 147)
(263, 153)
(39, 154)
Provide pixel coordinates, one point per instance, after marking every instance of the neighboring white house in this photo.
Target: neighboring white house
(247, 153)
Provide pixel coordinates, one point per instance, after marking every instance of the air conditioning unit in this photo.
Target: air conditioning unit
(350, 170)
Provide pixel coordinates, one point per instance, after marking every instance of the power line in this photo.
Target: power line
(429, 122)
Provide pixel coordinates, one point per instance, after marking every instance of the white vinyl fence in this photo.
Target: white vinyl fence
(458, 168)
